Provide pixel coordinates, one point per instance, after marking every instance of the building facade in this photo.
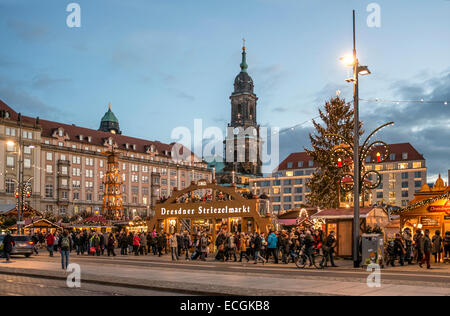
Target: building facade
(403, 174)
(66, 165)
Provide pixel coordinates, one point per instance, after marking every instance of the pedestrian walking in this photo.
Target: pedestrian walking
(272, 242)
(329, 248)
(426, 248)
(243, 248)
(8, 244)
(257, 248)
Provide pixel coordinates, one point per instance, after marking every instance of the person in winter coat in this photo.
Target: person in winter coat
(243, 248)
(426, 250)
(136, 245)
(204, 245)
(407, 238)
(111, 245)
(186, 240)
(309, 247)
(77, 243)
(231, 247)
(50, 239)
(65, 245)
(328, 249)
(284, 245)
(418, 245)
(257, 248)
(174, 246)
(220, 244)
(161, 244)
(94, 243)
(272, 242)
(8, 244)
(143, 248)
(437, 246)
(123, 244)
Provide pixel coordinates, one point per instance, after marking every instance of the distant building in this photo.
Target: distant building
(68, 163)
(402, 175)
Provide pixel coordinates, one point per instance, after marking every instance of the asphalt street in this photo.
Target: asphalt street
(439, 275)
(11, 285)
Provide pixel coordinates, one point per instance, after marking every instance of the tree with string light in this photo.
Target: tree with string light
(337, 118)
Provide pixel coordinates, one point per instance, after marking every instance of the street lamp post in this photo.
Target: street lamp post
(363, 70)
(356, 173)
(22, 186)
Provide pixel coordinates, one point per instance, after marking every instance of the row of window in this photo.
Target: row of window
(300, 164)
(12, 132)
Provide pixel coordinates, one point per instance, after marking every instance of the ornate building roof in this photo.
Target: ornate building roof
(110, 123)
(243, 82)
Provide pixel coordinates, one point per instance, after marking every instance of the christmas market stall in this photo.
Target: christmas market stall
(341, 221)
(299, 217)
(430, 209)
(39, 225)
(93, 223)
(137, 225)
(208, 207)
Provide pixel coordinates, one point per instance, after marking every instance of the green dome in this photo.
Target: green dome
(110, 123)
(110, 117)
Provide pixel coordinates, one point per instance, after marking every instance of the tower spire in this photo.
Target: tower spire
(244, 65)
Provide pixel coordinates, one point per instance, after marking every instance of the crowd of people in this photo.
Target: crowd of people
(419, 248)
(277, 246)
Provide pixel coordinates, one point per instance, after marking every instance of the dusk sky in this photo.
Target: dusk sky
(164, 63)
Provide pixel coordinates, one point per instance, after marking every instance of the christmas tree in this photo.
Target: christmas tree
(337, 118)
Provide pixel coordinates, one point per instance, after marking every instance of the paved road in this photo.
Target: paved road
(11, 285)
(440, 275)
(230, 278)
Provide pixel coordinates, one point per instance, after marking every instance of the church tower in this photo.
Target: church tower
(242, 146)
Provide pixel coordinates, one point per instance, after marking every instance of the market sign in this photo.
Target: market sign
(440, 208)
(430, 221)
(206, 210)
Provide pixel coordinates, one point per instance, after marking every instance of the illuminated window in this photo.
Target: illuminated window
(403, 165)
(417, 165)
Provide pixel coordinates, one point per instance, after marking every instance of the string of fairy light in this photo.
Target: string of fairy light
(376, 100)
(424, 202)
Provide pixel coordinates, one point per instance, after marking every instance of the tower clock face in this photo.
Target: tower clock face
(236, 131)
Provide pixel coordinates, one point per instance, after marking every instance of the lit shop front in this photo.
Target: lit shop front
(430, 209)
(210, 208)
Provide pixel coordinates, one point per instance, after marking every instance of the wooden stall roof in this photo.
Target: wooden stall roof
(10, 210)
(343, 213)
(37, 223)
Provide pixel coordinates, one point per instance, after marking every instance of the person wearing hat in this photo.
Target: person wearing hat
(8, 244)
